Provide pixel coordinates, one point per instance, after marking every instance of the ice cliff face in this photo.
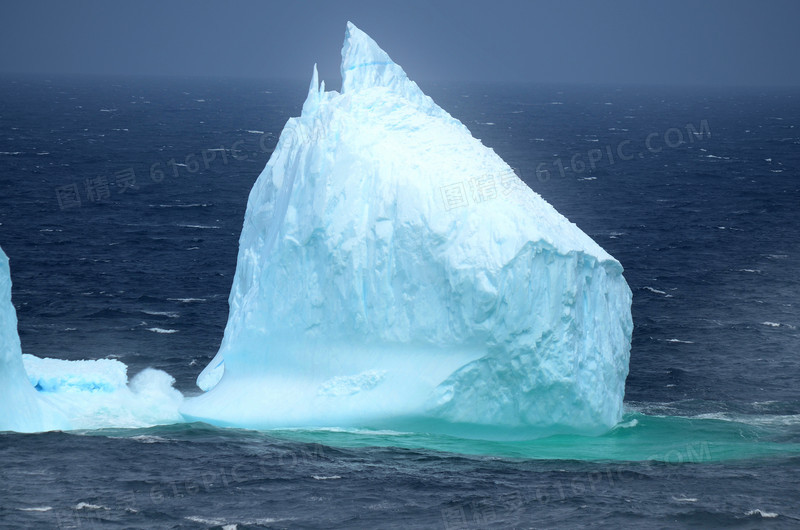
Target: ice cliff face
(393, 271)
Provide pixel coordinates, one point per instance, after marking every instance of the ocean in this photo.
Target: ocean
(121, 204)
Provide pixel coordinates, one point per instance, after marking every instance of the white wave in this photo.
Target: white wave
(87, 506)
(197, 226)
(178, 205)
(588, 178)
(344, 430)
(678, 341)
(170, 314)
(36, 509)
(766, 515)
(233, 526)
(319, 477)
(162, 330)
(653, 290)
(772, 324)
(761, 420)
(253, 131)
(187, 300)
(203, 520)
(684, 499)
(145, 439)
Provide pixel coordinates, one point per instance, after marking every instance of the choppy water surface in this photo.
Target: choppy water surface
(121, 202)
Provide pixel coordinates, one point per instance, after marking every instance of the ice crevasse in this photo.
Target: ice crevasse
(394, 272)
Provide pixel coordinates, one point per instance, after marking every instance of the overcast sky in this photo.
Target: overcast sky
(727, 42)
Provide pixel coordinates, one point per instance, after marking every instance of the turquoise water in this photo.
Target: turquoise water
(638, 437)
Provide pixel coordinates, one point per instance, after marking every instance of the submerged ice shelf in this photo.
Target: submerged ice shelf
(393, 271)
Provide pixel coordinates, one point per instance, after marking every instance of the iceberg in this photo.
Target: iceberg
(394, 272)
(53, 394)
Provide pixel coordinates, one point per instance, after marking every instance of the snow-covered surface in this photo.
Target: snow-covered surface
(392, 270)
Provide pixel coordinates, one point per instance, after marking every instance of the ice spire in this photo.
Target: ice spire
(314, 93)
(365, 65)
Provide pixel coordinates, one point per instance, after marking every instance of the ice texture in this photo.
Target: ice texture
(394, 272)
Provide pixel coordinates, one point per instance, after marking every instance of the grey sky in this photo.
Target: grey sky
(729, 42)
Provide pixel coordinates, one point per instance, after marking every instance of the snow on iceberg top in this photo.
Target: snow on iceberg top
(460, 182)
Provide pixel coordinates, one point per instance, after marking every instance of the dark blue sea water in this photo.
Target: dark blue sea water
(121, 202)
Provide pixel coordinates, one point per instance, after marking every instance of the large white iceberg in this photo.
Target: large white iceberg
(394, 272)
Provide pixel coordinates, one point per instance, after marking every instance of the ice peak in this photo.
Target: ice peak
(314, 92)
(365, 64)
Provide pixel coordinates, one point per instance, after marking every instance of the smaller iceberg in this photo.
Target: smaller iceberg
(56, 375)
(52, 394)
